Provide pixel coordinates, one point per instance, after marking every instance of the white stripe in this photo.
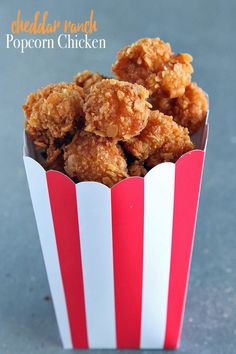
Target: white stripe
(158, 219)
(94, 213)
(41, 204)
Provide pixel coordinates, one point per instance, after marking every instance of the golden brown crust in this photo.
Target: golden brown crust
(150, 62)
(116, 109)
(172, 79)
(136, 168)
(51, 114)
(86, 79)
(41, 139)
(189, 110)
(53, 110)
(175, 76)
(93, 158)
(161, 140)
(136, 62)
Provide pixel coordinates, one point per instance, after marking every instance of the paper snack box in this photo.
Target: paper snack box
(118, 259)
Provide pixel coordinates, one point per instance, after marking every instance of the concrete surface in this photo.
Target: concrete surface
(207, 30)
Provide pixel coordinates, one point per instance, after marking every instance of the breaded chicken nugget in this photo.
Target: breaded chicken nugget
(93, 158)
(150, 62)
(116, 109)
(53, 111)
(161, 140)
(136, 168)
(136, 62)
(175, 76)
(189, 110)
(86, 79)
(52, 114)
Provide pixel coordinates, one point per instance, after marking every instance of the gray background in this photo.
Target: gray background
(207, 30)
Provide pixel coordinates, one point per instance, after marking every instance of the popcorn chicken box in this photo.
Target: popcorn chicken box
(118, 259)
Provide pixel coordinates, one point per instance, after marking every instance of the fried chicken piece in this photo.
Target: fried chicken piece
(53, 111)
(86, 79)
(93, 158)
(150, 62)
(116, 109)
(161, 140)
(189, 110)
(175, 76)
(136, 168)
(136, 62)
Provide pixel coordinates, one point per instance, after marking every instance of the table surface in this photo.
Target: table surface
(207, 30)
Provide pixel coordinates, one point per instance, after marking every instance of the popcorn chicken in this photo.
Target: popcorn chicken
(86, 79)
(150, 62)
(175, 76)
(54, 109)
(188, 110)
(102, 129)
(136, 62)
(161, 140)
(52, 113)
(116, 109)
(93, 158)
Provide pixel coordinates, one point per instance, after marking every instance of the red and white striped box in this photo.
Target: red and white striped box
(118, 259)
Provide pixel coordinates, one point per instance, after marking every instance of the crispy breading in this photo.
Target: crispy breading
(53, 110)
(93, 158)
(52, 114)
(136, 62)
(161, 140)
(175, 76)
(189, 110)
(116, 109)
(150, 62)
(86, 79)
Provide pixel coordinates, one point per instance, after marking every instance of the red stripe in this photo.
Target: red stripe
(62, 195)
(187, 184)
(127, 226)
